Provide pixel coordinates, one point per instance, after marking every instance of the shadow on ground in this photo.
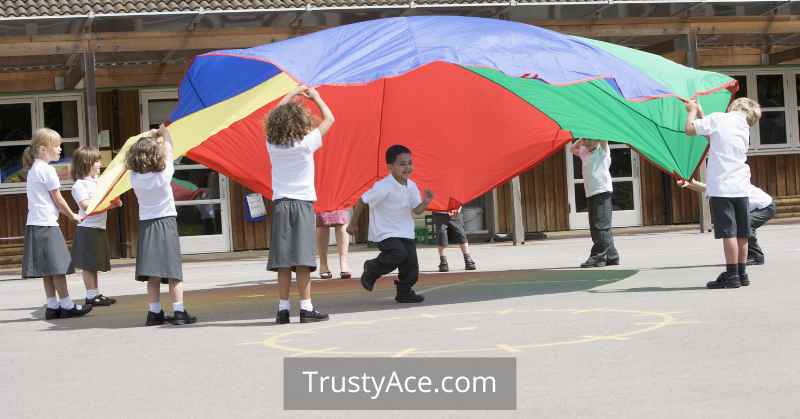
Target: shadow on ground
(238, 306)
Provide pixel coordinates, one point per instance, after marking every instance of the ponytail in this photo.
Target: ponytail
(28, 157)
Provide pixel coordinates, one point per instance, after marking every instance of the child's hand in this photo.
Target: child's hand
(116, 203)
(312, 93)
(76, 218)
(428, 195)
(352, 229)
(692, 106)
(682, 183)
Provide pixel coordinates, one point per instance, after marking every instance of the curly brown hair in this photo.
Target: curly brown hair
(146, 155)
(288, 124)
(83, 160)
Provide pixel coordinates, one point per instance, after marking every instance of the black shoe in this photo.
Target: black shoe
(443, 267)
(282, 317)
(52, 313)
(181, 317)
(725, 280)
(594, 262)
(612, 262)
(155, 319)
(469, 264)
(312, 316)
(76, 311)
(755, 261)
(368, 278)
(409, 297)
(744, 279)
(100, 301)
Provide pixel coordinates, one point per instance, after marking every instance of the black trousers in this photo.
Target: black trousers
(400, 254)
(758, 218)
(600, 209)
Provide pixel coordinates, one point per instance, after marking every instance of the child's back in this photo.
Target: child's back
(729, 137)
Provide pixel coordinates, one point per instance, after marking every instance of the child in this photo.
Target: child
(449, 226)
(46, 255)
(761, 208)
(90, 250)
(391, 224)
(596, 168)
(158, 258)
(338, 220)
(728, 180)
(292, 140)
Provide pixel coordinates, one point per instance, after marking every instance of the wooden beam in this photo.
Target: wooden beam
(144, 41)
(783, 56)
(90, 94)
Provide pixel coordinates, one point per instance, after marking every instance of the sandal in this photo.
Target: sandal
(346, 275)
(325, 275)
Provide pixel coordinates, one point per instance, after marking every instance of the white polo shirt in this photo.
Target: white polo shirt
(42, 178)
(596, 170)
(390, 209)
(293, 168)
(758, 199)
(154, 191)
(727, 174)
(82, 190)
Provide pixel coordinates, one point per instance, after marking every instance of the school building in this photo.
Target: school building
(99, 71)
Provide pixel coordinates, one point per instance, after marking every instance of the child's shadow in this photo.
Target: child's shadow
(255, 305)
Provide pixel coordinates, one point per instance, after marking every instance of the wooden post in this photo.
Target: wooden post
(90, 96)
(491, 209)
(518, 233)
(692, 60)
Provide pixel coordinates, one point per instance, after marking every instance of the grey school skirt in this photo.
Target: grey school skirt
(158, 252)
(294, 235)
(45, 253)
(90, 250)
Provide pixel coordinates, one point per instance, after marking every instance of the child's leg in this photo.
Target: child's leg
(730, 246)
(303, 275)
(176, 293)
(323, 238)
(60, 284)
(392, 255)
(343, 247)
(90, 282)
(408, 273)
(49, 287)
(741, 250)
(284, 283)
(154, 294)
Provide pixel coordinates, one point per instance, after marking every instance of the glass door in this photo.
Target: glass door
(201, 195)
(625, 177)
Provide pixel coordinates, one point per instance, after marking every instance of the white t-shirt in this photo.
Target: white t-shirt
(293, 168)
(82, 190)
(758, 199)
(390, 209)
(727, 174)
(154, 190)
(596, 169)
(42, 178)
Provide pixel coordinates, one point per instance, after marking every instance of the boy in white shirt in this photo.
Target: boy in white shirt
(728, 177)
(597, 184)
(392, 200)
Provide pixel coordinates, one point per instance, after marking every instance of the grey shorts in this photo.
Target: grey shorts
(293, 239)
(731, 217)
(449, 230)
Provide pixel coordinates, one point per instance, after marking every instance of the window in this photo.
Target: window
(777, 93)
(21, 116)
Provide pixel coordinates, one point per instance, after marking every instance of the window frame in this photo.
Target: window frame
(790, 108)
(37, 121)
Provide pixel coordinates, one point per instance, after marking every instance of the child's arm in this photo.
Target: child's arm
(695, 112)
(692, 184)
(296, 91)
(327, 115)
(425, 202)
(62, 206)
(576, 147)
(358, 208)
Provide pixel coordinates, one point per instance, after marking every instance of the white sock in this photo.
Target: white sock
(177, 306)
(306, 305)
(284, 305)
(92, 293)
(52, 302)
(66, 303)
(155, 307)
